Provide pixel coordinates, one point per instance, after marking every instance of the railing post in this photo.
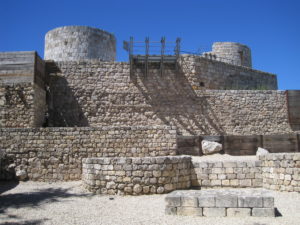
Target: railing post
(162, 53)
(146, 56)
(130, 55)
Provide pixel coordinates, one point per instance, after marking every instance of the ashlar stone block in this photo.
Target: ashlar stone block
(214, 212)
(238, 212)
(263, 212)
(189, 211)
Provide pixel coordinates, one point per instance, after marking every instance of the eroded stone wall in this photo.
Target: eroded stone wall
(102, 94)
(136, 176)
(50, 154)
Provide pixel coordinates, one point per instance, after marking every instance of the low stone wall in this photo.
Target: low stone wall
(51, 154)
(281, 172)
(135, 176)
(220, 203)
(226, 174)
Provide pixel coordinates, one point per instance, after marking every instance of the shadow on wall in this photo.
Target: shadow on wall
(64, 108)
(174, 101)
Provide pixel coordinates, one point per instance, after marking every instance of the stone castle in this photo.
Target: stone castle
(79, 114)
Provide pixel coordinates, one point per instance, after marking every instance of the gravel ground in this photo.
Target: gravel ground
(67, 203)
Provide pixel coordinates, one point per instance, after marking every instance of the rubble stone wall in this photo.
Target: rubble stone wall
(103, 93)
(281, 171)
(135, 176)
(204, 73)
(51, 154)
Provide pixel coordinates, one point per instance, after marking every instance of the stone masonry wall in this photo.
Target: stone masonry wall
(22, 105)
(99, 94)
(50, 154)
(281, 172)
(135, 176)
(17, 105)
(204, 73)
(235, 173)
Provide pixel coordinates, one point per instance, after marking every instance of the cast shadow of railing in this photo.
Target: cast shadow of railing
(175, 102)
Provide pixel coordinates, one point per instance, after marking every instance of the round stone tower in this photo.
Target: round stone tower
(74, 43)
(233, 53)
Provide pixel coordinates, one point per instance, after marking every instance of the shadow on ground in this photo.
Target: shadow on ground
(30, 199)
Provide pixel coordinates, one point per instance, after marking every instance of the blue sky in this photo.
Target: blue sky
(271, 28)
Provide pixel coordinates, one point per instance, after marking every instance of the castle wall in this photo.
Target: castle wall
(205, 73)
(102, 94)
(22, 89)
(72, 43)
(56, 153)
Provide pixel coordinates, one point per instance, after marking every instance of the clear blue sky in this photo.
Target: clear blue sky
(271, 28)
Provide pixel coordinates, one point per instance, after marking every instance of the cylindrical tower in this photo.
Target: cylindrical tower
(233, 53)
(75, 43)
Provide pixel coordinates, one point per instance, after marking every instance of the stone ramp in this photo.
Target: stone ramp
(221, 203)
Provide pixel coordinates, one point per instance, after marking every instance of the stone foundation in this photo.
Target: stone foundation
(220, 203)
(136, 176)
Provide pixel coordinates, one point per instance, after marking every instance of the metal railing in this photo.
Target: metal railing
(152, 52)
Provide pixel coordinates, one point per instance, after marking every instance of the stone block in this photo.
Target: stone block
(172, 200)
(189, 201)
(263, 212)
(250, 201)
(189, 211)
(238, 212)
(268, 202)
(206, 201)
(214, 212)
(226, 201)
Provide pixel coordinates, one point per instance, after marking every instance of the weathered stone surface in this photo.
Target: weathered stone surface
(250, 201)
(206, 201)
(263, 212)
(238, 212)
(209, 147)
(189, 211)
(214, 212)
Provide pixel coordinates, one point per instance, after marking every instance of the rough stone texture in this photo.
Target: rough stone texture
(219, 173)
(72, 43)
(238, 212)
(141, 175)
(49, 154)
(209, 147)
(102, 94)
(203, 73)
(22, 105)
(220, 202)
(281, 171)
